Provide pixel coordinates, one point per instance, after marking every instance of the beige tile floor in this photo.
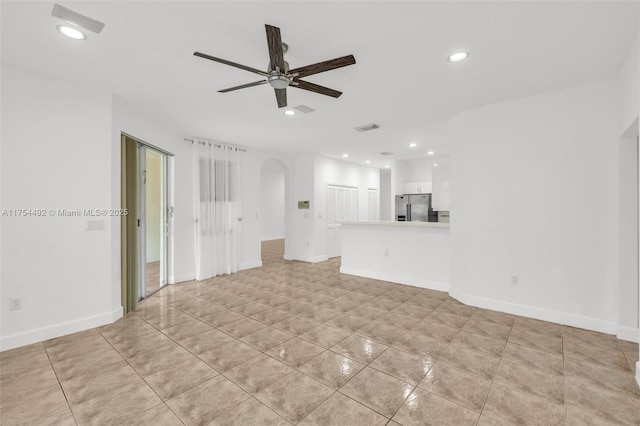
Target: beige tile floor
(298, 343)
(152, 277)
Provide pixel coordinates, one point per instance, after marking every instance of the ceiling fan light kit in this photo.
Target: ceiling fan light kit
(278, 74)
(278, 80)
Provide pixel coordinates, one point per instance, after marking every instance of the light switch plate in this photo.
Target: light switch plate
(95, 225)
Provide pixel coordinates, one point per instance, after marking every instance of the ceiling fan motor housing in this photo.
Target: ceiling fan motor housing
(278, 80)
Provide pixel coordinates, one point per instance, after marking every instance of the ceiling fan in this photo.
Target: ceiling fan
(278, 74)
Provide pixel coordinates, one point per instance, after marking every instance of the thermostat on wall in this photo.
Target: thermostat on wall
(303, 204)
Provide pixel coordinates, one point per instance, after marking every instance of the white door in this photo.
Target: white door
(372, 204)
(342, 204)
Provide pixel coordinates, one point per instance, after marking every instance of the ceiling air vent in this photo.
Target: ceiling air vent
(77, 19)
(304, 108)
(367, 127)
(386, 153)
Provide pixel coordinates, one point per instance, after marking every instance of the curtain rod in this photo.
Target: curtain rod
(217, 145)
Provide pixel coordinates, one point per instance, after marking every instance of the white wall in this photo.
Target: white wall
(301, 225)
(629, 96)
(629, 86)
(73, 160)
(415, 170)
(403, 253)
(272, 201)
(69, 278)
(386, 212)
(628, 237)
(535, 193)
(55, 155)
(441, 185)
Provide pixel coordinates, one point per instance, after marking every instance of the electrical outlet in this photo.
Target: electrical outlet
(514, 280)
(15, 303)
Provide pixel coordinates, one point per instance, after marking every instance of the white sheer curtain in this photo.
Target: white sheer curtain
(216, 172)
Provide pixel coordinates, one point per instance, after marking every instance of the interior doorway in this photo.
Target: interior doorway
(273, 202)
(145, 230)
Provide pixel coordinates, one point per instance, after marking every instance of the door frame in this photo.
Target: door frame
(132, 262)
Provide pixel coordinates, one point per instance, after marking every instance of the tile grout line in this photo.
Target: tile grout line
(142, 378)
(60, 384)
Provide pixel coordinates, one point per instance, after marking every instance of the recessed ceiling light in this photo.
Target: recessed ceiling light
(413, 145)
(368, 161)
(387, 166)
(430, 153)
(345, 155)
(435, 164)
(289, 112)
(458, 56)
(71, 32)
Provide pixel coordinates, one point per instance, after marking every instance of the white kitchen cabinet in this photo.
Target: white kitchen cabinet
(441, 176)
(417, 188)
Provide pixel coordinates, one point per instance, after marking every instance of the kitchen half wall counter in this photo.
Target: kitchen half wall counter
(412, 253)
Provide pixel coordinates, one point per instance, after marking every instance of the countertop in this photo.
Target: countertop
(394, 223)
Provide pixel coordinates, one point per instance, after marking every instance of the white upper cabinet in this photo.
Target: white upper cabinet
(417, 188)
(441, 176)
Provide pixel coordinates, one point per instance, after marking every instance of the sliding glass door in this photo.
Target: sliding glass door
(152, 220)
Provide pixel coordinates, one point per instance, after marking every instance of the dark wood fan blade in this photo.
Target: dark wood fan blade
(243, 86)
(323, 66)
(281, 97)
(274, 43)
(305, 85)
(233, 64)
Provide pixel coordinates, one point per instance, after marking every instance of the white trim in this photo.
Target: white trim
(315, 259)
(182, 278)
(250, 265)
(399, 279)
(288, 257)
(580, 321)
(277, 237)
(56, 330)
(443, 225)
(629, 334)
(638, 372)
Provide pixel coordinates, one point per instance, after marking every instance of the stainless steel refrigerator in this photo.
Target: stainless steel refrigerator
(415, 208)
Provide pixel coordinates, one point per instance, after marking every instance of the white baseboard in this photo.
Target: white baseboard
(628, 333)
(277, 237)
(638, 372)
(287, 256)
(399, 279)
(580, 321)
(250, 265)
(183, 278)
(56, 330)
(310, 259)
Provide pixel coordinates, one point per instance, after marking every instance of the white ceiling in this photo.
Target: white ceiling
(401, 80)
